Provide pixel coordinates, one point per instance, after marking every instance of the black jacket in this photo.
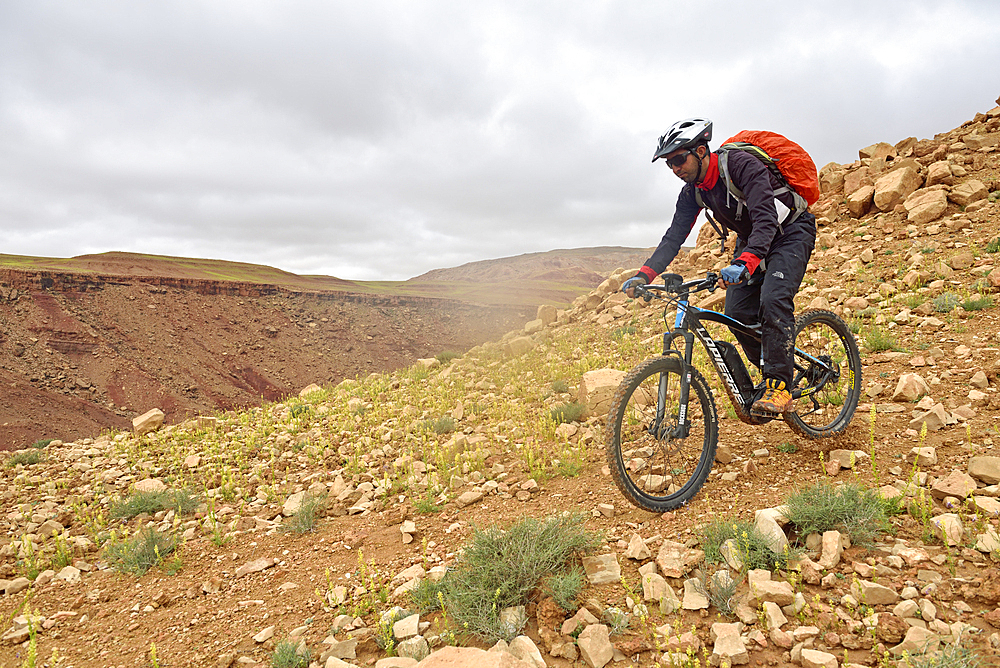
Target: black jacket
(756, 225)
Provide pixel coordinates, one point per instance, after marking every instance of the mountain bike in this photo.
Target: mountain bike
(661, 441)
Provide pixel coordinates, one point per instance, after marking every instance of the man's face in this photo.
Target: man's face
(688, 169)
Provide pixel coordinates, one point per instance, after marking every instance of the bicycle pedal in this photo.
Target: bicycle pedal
(757, 412)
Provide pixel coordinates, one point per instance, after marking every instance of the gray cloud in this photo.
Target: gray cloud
(384, 139)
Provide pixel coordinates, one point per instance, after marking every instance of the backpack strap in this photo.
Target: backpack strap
(719, 228)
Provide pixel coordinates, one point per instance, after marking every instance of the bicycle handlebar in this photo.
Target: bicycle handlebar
(710, 282)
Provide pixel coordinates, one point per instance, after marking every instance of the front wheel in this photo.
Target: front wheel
(654, 466)
(827, 375)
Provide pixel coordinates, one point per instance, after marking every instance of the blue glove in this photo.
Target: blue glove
(734, 273)
(632, 283)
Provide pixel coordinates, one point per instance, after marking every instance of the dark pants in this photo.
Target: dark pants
(771, 302)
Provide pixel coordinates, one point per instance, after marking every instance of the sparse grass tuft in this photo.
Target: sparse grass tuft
(446, 356)
(977, 303)
(25, 458)
(41, 443)
(564, 588)
(993, 246)
(912, 300)
(138, 554)
(752, 546)
(879, 340)
(426, 504)
(560, 386)
(305, 518)
(568, 412)
(427, 595)
(852, 509)
(946, 301)
(150, 503)
(501, 568)
(621, 332)
(951, 656)
(286, 655)
(720, 589)
(442, 425)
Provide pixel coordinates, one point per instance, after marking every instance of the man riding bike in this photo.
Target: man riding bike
(773, 248)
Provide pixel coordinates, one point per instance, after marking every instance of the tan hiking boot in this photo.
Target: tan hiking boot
(776, 399)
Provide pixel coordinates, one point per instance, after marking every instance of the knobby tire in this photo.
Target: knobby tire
(820, 332)
(660, 473)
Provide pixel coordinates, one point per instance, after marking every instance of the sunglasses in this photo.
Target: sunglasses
(678, 160)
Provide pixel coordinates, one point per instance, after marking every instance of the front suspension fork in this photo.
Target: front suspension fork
(683, 427)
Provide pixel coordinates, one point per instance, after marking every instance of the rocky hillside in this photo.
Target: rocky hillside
(304, 523)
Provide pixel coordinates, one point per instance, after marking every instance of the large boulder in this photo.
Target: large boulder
(879, 150)
(547, 314)
(860, 201)
(966, 193)
(856, 179)
(911, 386)
(598, 387)
(457, 657)
(896, 186)
(976, 141)
(925, 205)
(939, 172)
(518, 346)
(149, 421)
(986, 469)
(831, 178)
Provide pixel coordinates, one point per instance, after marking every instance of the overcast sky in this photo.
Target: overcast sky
(375, 139)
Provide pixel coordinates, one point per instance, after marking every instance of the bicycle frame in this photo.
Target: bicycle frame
(688, 325)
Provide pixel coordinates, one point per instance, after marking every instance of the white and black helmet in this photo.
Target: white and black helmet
(684, 134)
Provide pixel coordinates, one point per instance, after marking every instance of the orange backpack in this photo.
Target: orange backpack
(785, 159)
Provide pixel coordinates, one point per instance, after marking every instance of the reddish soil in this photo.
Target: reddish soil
(76, 361)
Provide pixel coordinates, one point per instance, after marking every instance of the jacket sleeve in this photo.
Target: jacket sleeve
(685, 214)
(751, 176)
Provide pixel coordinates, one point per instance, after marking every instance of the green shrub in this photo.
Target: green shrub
(501, 568)
(752, 546)
(299, 409)
(560, 386)
(953, 655)
(912, 300)
(305, 518)
(442, 425)
(621, 332)
(140, 552)
(25, 458)
(568, 412)
(41, 443)
(993, 246)
(286, 655)
(878, 340)
(859, 512)
(977, 303)
(426, 504)
(150, 503)
(564, 588)
(427, 595)
(446, 356)
(946, 301)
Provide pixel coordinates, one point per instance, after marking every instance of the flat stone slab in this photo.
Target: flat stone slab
(602, 569)
(675, 560)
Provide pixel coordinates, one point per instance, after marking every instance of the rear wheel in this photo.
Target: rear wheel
(656, 468)
(827, 377)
